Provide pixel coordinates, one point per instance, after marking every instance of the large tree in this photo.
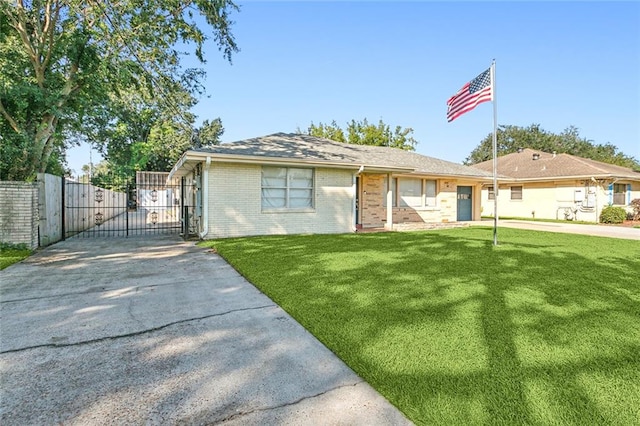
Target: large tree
(65, 65)
(364, 133)
(510, 138)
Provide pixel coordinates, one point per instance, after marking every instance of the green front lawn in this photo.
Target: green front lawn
(543, 329)
(10, 254)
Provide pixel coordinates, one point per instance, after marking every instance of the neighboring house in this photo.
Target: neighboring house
(296, 184)
(557, 186)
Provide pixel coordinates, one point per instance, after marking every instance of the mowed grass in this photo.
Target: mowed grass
(542, 329)
(10, 254)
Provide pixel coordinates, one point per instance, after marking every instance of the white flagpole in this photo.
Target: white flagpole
(495, 153)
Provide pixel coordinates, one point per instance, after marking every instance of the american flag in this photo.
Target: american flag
(478, 90)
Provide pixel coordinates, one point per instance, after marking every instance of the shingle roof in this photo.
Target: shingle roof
(309, 148)
(522, 165)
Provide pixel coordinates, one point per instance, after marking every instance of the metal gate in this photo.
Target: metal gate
(117, 207)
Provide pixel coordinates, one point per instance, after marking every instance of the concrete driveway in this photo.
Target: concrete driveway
(609, 231)
(158, 331)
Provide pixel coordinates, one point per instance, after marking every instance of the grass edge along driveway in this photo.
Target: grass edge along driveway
(11, 253)
(542, 329)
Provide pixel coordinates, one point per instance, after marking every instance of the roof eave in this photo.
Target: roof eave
(178, 169)
(571, 177)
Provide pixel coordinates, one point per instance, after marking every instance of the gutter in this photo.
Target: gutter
(205, 199)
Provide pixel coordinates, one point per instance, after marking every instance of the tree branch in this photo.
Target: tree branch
(13, 123)
(20, 24)
(51, 19)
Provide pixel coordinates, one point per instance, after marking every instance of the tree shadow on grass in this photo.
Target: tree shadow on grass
(452, 329)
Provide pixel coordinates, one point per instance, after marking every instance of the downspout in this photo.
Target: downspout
(205, 200)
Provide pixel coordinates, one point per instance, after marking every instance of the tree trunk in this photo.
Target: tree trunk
(44, 141)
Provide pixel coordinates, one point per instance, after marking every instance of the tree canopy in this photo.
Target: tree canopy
(66, 66)
(510, 138)
(364, 133)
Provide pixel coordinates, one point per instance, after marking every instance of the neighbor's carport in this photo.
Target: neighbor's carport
(159, 331)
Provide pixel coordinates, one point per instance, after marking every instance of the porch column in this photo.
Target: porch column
(389, 223)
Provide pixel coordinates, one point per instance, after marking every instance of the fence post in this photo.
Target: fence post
(62, 210)
(126, 207)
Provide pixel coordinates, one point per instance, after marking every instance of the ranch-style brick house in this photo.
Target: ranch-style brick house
(298, 184)
(535, 184)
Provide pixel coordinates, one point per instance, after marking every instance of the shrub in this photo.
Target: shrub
(5, 246)
(611, 214)
(635, 204)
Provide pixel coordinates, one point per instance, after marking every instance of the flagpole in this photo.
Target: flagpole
(495, 153)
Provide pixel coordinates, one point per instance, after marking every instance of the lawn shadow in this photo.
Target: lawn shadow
(450, 328)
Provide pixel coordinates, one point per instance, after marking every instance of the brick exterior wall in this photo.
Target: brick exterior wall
(19, 213)
(373, 213)
(235, 204)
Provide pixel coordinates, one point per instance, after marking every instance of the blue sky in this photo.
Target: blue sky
(558, 64)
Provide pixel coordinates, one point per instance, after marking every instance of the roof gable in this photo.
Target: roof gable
(532, 164)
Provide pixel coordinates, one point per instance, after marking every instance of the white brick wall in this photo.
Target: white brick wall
(19, 213)
(235, 204)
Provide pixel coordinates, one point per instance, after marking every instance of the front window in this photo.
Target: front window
(430, 193)
(287, 188)
(394, 191)
(516, 193)
(619, 194)
(411, 192)
(492, 193)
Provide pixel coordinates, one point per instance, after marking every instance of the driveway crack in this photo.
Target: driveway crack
(135, 333)
(287, 404)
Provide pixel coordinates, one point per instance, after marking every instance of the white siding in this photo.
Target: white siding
(548, 200)
(235, 204)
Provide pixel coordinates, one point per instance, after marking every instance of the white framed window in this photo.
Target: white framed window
(516, 192)
(394, 191)
(491, 193)
(430, 193)
(411, 192)
(287, 188)
(619, 194)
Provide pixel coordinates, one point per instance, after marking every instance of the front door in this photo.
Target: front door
(464, 203)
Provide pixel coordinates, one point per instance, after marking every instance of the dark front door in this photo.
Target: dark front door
(464, 203)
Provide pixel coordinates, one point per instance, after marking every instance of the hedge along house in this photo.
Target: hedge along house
(534, 184)
(296, 184)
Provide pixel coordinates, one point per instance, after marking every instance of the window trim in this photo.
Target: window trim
(288, 188)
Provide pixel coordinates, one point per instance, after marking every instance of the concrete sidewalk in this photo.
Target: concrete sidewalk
(158, 331)
(610, 231)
